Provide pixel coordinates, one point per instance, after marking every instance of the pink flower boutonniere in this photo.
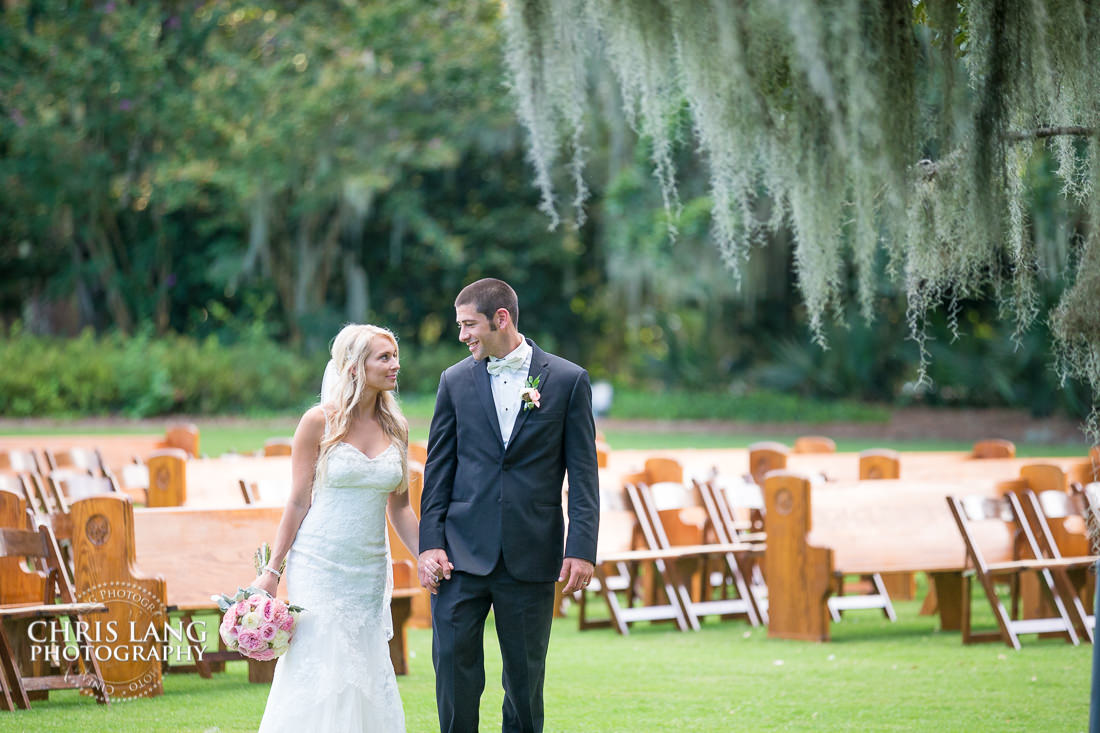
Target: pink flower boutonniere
(530, 394)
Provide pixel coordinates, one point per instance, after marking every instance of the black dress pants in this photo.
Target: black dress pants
(523, 613)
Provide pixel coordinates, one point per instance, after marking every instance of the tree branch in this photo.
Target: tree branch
(1042, 132)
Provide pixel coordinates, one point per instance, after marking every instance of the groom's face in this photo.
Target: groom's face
(478, 333)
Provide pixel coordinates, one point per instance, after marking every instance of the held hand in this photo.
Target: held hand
(433, 567)
(266, 582)
(577, 573)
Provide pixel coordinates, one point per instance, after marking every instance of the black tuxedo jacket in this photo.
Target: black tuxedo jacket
(481, 501)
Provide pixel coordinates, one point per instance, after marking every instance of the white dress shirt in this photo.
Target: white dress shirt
(508, 387)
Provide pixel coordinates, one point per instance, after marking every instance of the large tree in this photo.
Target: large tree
(894, 132)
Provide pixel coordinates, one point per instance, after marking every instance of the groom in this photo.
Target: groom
(509, 421)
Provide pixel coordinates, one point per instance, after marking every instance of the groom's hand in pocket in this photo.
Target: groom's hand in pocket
(433, 567)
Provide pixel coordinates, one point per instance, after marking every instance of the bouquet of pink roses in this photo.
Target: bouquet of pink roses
(256, 624)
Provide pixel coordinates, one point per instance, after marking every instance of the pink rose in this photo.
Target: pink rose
(267, 631)
(251, 641)
(286, 624)
(265, 655)
(281, 613)
(256, 600)
(267, 609)
(239, 608)
(532, 396)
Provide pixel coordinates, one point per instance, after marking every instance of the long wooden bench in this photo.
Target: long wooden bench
(185, 555)
(818, 532)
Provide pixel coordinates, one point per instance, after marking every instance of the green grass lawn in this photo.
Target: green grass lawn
(874, 675)
(217, 437)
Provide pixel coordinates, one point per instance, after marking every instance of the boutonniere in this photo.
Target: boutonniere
(530, 394)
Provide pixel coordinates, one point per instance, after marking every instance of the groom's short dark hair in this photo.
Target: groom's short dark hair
(489, 295)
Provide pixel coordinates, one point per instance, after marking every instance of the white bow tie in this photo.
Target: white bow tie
(508, 363)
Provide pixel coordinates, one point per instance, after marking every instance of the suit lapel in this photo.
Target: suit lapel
(485, 395)
(540, 365)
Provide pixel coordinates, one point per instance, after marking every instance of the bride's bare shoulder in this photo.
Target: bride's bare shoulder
(313, 421)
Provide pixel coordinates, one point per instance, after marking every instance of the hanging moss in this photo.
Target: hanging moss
(896, 127)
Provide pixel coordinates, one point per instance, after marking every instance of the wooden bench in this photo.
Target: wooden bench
(193, 553)
(860, 528)
(176, 480)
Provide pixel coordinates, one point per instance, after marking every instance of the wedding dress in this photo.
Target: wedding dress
(337, 675)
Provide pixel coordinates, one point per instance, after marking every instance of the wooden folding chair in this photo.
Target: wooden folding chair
(1043, 543)
(277, 447)
(182, 436)
(418, 452)
(84, 460)
(44, 496)
(614, 578)
(728, 531)
(248, 491)
(73, 485)
(976, 513)
(652, 526)
(615, 555)
(19, 461)
(814, 444)
(994, 448)
(82, 672)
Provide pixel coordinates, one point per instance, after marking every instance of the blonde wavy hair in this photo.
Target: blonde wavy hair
(350, 350)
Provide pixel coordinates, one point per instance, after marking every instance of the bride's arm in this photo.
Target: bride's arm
(404, 520)
(303, 461)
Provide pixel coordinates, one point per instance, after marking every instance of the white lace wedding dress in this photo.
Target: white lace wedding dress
(337, 675)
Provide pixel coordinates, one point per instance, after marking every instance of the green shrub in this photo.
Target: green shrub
(143, 376)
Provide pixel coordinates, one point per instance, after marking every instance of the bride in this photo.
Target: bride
(349, 465)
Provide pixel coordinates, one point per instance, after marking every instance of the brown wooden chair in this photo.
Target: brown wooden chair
(277, 447)
(649, 516)
(728, 530)
(43, 495)
(614, 579)
(1043, 513)
(418, 452)
(976, 514)
(766, 456)
(81, 673)
(994, 448)
(614, 576)
(879, 463)
(814, 444)
(248, 492)
(659, 470)
(74, 485)
(603, 454)
(19, 461)
(184, 437)
(87, 460)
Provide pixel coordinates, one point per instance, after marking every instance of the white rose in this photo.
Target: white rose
(251, 620)
(282, 638)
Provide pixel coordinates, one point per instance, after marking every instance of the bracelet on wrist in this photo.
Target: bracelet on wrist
(273, 571)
